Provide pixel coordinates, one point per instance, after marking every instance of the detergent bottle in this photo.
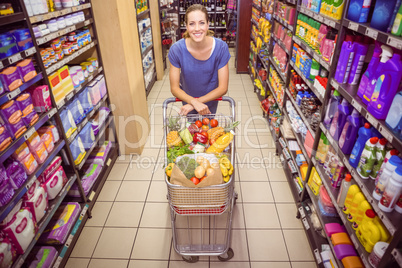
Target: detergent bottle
(365, 133)
(370, 72)
(339, 120)
(356, 201)
(368, 232)
(385, 56)
(345, 61)
(394, 117)
(322, 149)
(353, 190)
(386, 87)
(346, 183)
(382, 14)
(333, 103)
(349, 133)
(380, 156)
(362, 208)
(381, 181)
(392, 191)
(368, 158)
(358, 10)
(385, 235)
(357, 64)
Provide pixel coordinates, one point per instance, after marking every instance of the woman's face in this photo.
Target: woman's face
(197, 25)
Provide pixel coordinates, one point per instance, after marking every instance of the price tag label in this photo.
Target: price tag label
(317, 256)
(51, 113)
(90, 78)
(372, 120)
(372, 33)
(292, 167)
(1, 65)
(84, 122)
(58, 262)
(29, 133)
(353, 26)
(31, 181)
(305, 223)
(394, 42)
(14, 58)
(60, 104)
(301, 211)
(70, 95)
(100, 69)
(316, 57)
(310, 13)
(346, 162)
(356, 105)
(386, 134)
(308, 50)
(30, 51)
(334, 84)
(354, 174)
(354, 240)
(20, 262)
(332, 23)
(87, 22)
(91, 113)
(109, 161)
(14, 93)
(365, 262)
(73, 28)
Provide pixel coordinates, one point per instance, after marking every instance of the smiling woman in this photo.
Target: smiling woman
(199, 71)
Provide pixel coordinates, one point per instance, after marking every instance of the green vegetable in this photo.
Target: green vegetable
(176, 151)
(187, 165)
(186, 136)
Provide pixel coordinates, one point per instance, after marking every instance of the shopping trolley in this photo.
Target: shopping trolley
(202, 217)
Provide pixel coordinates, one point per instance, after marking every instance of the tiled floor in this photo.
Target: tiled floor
(131, 224)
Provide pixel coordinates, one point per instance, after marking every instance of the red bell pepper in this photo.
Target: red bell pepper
(198, 137)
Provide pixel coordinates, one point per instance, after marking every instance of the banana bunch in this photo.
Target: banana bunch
(226, 168)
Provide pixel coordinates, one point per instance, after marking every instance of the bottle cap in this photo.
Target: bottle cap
(373, 140)
(337, 94)
(348, 177)
(383, 141)
(394, 152)
(370, 213)
(367, 125)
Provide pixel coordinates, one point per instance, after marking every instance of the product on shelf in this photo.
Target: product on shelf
(14, 41)
(146, 39)
(87, 136)
(390, 164)
(8, 252)
(339, 119)
(92, 172)
(314, 182)
(377, 253)
(99, 119)
(5, 138)
(67, 119)
(38, 203)
(15, 173)
(285, 12)
(141, 5)
(45, 256)
(77, 150)
(392, 191)
(332, 9)
(349, 132)
(55, 183)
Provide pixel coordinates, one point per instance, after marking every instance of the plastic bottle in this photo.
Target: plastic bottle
(333, 103)
(382, 14)
(349, 133)
(367, 232)
(369, 73)
(398, 206)
(353, 190)
(346, 183)
(337, 9)
(367, 159)
(394, 13)
(377, 253)
(385, 235)
(380, 156)
(397, 25)
(362, 208)
(392, 191)
(381, 182)
(358, 10)
(315, 69)
(339, 120)
(394, 117)
(386, 158)
(365, 133)
(356, 201)
(385, 56)
(387, 85)
(345, 61)
(322, 148)
(357, 64)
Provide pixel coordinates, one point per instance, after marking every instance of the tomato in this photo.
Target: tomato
(198, 123)
(214, 123)
(205, 134)
(205, 121)
(195, 180)
(202, 178)
(205, 127)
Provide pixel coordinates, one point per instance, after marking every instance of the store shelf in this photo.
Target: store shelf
(12, 18)
(308, 82)
(391, 220)
(53, 206)
(5, 62)
(256, 6)
(306, 122)
(283, 22)
(320, 18)
(52, 36)
(142, 14)
(143, 30)
(280, 43)
(145, 52)
(273, 63)
(289, 175)
(78, 89)
(292, 2)
(254, 22)
(311, 52)
(274, 94)
(67, 59)
(5, 210)
(365, 29)
(72, 238)
(350, 94)
(333, 193)
(58, 13)
(150, 85)
(263, 62)
(398, 256)
(11, 95)
(17, 143)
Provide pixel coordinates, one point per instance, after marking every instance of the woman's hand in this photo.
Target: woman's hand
(200, 107)
(185, 109)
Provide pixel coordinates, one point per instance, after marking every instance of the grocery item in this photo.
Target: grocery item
(353, 190)
(77, 150)
(38, 203)
(367, 158)
(7, 252)
(364, 133)
(340, 238)
(322, 148)
(357, 64)
(344, 250)
(362, 207)
(358, 10)
(55, 183)
(345, 61)
(45, 257)
(369, 74)
(397, 25)
(11, 78)
(381, 181)
(392, 191)
(346, 183)
(394, 117)
(377, 253)
(358, 198)
(380, 156)
(382, 14)
(349, 133)
(91, 174)
(15, 173)
(339, 120)
(367, 232)
(100, 154)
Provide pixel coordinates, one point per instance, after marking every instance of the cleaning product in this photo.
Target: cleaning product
(353, 190)
(367, 158)
(392, 191)
(394, 13)
(361, 209)
(382, 14)
(346, 183)
(349, 133)
(397, 25)
(388, 79)
(394, 117)
(377, 253)
(365, 133)
(339, 120)
(333, 103)
(370, 72)
(380, 156)
(345, 61)
(385, 56)
(383, 175)
(358, 10)
(357, 64)
(386, 158)
(367, 232)
(337, 9)
(338, 175)
(385, 235)
(354, 205)
(322, 148)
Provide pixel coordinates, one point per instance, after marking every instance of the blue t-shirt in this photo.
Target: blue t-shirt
(199, 77)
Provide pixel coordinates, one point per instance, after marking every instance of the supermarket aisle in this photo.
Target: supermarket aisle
(131, 222)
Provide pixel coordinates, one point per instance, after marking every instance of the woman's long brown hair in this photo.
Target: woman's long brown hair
(201, 8)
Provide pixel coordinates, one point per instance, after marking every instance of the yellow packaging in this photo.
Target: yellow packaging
(55, 84)
(357, 219)
(368, 232)
(354, 205)
(353, 190)
(314, 182)
(65, 80)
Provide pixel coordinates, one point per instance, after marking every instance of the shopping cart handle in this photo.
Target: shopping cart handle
(218, 99)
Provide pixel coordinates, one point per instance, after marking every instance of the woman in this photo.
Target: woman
(199, 71)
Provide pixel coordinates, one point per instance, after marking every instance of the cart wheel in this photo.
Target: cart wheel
(227, 256)
(191, 259)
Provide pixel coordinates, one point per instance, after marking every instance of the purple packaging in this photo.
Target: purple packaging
(2, 90)
(25, 104)
(5, 138)
(11, 78)
(91, 174)
(45, 257)
(15, 173)
(3, 174)
(26, 69)
(10, 112)
(16, 129)
(31, 118)
(60, 226)
(344, 250)
(99, 154)
(6, 193)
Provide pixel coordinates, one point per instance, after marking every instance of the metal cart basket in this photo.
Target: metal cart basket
(202, 217)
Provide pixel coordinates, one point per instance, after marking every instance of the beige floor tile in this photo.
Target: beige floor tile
(157, 192)
(266, 140)
(247, 142)
(109, 191)
(287, 216)
(133, 191)
(270, 264)
(86, 242)
(304, 264)
(259, 192)
(237, 219)
(297, 245)
(276, 174)
(253, 173)
(125, 214)
(156, 215)
(124, 158)
(249, 155)
(159, 172)
(107, 263)
(147, 154)
(154, 141)
(100, 212)
(139, 172)
(118, 171)
(238, 191)
(148, 264)
(229, 264)
(191, 237)
(266, 245)
(77, 263)
(183, 264)
(282, 192)
(239, 246)
(261, 216)
(152, 244)
(115, 243)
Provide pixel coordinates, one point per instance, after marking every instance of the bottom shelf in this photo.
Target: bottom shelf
(151, 84)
